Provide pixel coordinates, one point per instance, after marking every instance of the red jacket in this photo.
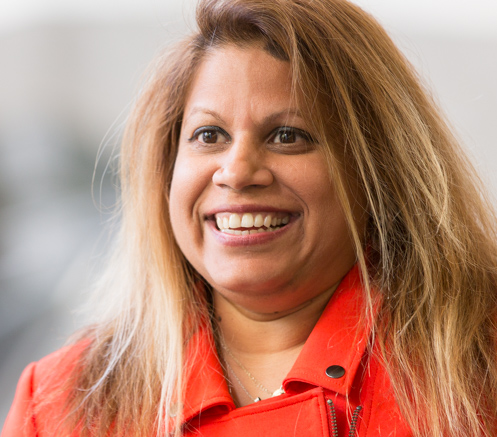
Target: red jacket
(318, 399)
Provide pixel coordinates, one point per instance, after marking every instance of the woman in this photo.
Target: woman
(304, 249)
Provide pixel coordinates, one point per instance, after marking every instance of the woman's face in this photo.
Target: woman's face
(252, 205)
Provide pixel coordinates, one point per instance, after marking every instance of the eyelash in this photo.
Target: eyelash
(205, 129)
(280, 147)
(292, 131)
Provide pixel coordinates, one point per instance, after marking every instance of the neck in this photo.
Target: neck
(248, 332)
(267, 345)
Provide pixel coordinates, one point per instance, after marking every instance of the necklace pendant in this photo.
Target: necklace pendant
(257, 399)
(278, 392)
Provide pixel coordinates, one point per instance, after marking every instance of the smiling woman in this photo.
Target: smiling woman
(245, 155)
(304, 248)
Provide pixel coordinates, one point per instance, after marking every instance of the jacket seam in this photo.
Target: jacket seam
(365, 422)
(269, 410)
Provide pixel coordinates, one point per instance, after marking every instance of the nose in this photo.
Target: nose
(243, 165)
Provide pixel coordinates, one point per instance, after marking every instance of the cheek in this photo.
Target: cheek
(315, 184)
(180, 212)
(184, 188)
(176, 198)
(189, 183)
(325, 212)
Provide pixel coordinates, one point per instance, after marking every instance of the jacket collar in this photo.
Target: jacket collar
(338, 339)
(205, 385)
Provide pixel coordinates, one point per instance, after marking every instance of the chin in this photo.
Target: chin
(254, 285)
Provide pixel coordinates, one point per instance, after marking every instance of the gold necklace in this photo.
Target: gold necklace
(257, 399)
(258, 384)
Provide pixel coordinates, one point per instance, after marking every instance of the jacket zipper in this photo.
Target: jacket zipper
(333, 420)
(353, 422)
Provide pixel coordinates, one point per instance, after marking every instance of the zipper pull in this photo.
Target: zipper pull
(353, 423)
(333, 419)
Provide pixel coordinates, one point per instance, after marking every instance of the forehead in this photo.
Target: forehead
(233, 78)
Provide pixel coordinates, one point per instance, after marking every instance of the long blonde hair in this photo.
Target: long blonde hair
(430, 239)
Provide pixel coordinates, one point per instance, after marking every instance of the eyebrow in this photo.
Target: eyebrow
(266, 120)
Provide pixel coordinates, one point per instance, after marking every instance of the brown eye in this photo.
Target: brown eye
(210, 135)
(291, 141)
(286, 137)
(290, 135)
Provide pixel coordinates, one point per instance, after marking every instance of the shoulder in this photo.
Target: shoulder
(59, 365)
(39, 395)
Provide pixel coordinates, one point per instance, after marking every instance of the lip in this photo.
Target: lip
(247, 240)
(252, 239)
(240, 209)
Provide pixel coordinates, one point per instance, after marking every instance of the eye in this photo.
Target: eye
(291, 140)
(210, 135)
(286, 136)
(290, 135)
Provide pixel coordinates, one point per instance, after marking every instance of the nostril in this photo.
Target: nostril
(240, 176)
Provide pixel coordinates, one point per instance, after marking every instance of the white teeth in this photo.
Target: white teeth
(232, 231)
(247, 220)
(252, 231)
(234, 221)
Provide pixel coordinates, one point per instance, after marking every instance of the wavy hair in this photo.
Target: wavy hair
(429, 246)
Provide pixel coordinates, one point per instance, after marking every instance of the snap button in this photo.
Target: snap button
(335, 371)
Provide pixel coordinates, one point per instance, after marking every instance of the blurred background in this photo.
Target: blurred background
(68, 72)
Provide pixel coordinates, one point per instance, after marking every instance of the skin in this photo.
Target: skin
(268, 289)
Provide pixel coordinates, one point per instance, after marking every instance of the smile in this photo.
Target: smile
(250, 223)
